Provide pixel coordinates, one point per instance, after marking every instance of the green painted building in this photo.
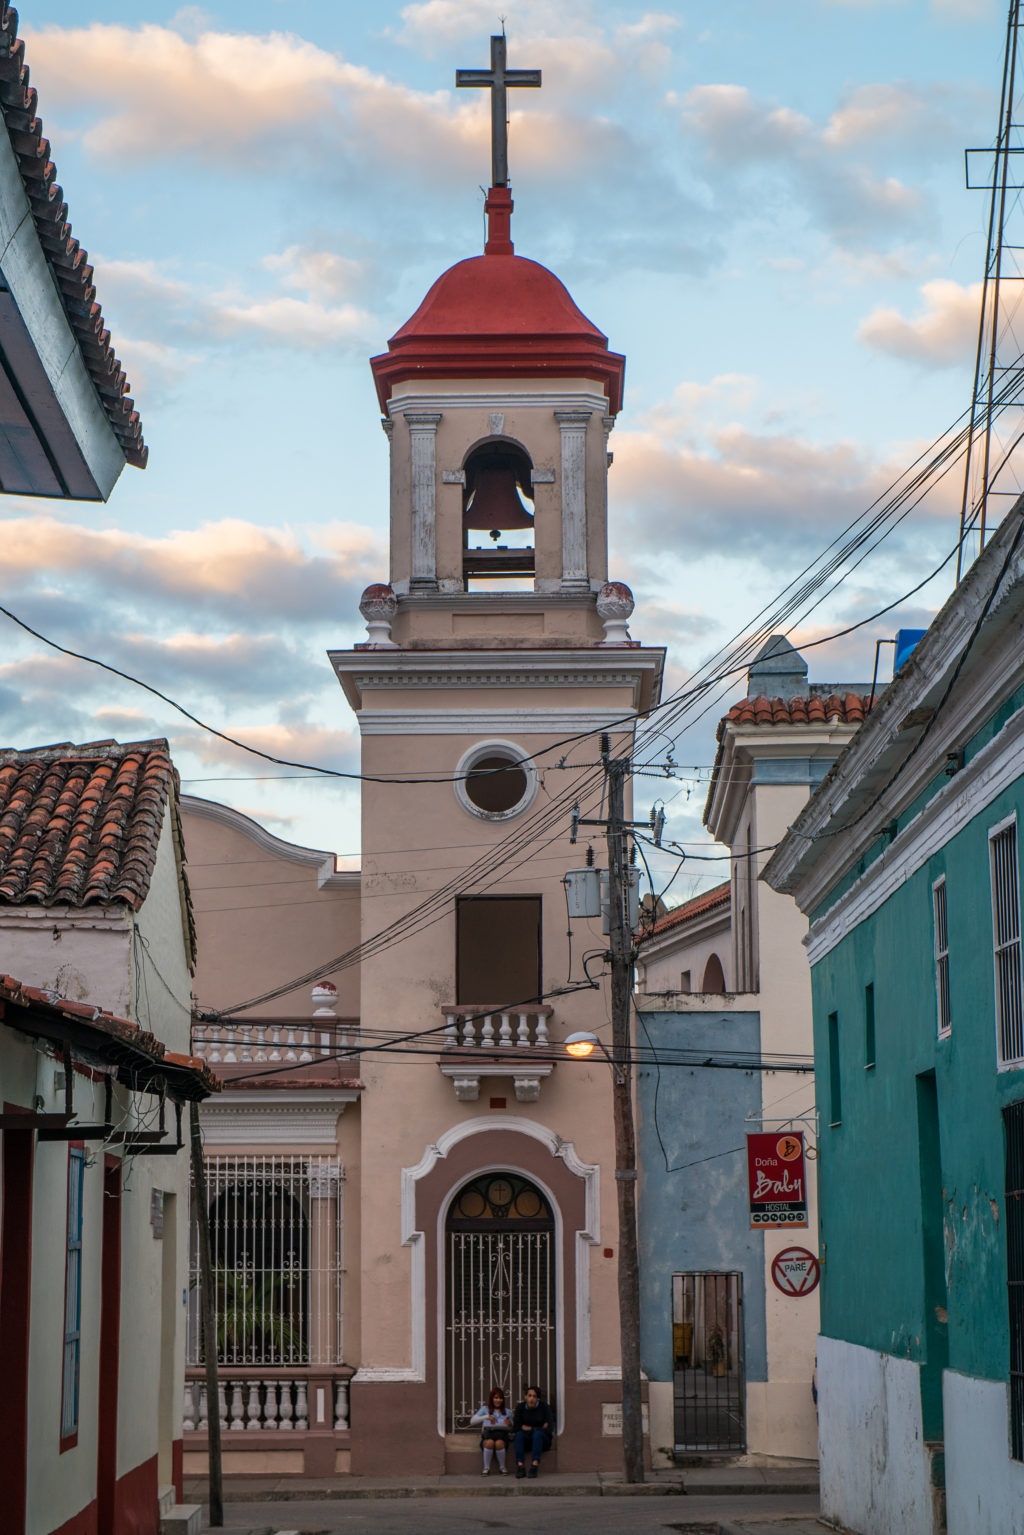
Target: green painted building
(907, 862)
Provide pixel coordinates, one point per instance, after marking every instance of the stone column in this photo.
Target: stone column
(422, 443)
(573, 426)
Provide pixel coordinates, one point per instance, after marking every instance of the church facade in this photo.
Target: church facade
(436, 1176)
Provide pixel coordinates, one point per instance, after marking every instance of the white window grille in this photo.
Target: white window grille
(1006, 943)
(941, 934)
(276, 1252)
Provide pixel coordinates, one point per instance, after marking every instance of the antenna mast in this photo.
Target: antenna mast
(997, 367)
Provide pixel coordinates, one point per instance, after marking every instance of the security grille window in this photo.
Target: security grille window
(707, 1362)
(1013, 1120)
(275, 1240)
(1006, 944)
(500, 1272)
(72, 1296)
(941, 956)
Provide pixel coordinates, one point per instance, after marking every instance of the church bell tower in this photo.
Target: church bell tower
(496, 654)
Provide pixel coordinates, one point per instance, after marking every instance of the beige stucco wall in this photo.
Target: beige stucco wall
(661, 962)
(414, 842)
(263, 917)
(782, 1413)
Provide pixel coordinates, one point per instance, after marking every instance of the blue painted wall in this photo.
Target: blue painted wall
(695, 1216)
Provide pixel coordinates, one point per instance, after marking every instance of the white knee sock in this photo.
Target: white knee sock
(487, 1459)
(501, 1457)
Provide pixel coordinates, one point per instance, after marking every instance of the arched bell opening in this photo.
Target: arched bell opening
(497, 514)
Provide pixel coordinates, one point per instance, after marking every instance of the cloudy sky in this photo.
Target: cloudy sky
(762, 205)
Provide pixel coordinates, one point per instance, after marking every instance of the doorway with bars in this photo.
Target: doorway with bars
(499, 1294)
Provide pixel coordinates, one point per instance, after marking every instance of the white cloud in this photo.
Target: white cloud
(943, 335)
(743, 135)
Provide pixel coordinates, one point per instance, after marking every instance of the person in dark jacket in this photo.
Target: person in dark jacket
(532, 1425)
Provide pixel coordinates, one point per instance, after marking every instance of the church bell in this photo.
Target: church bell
(494, 504)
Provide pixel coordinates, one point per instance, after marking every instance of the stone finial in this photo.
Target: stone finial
(614, 605)
(325, 997)
(378, 605)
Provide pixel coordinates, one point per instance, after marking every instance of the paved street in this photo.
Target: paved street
(758, 1514)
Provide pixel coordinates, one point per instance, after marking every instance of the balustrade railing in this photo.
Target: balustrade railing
(259, 1403)
(230, 1043)
(499, 1028)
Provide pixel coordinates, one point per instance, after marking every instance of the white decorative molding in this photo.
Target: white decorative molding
(589, 1236)
(496, 422)
(502, 398)
(543, 476)
(276, 1117)
(461, 722)
(995, 768)
(453, 476)
(556, 1211)
(989, 675)
(572, 424)
(328, 877)
(422, 445)
(516, 757)
(638, 670)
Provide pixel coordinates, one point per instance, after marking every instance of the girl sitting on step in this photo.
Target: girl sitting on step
(495, 1427)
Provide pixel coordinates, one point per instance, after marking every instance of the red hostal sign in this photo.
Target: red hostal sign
(777, 1180)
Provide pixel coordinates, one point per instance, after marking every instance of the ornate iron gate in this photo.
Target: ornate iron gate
(707, 1362)
(500, 1292)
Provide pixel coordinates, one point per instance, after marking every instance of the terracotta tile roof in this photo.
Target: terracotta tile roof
(851, 708)
(105, 1032)
(79, 825)
(67, 261)
(260, 1084)
(709, 900)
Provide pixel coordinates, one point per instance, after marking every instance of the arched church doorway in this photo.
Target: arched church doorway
(499, 1293)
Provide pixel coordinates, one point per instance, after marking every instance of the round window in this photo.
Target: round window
(495, 781)
(496, 784)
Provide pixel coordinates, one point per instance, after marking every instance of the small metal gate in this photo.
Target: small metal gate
(500, 1292)
(707, 1362)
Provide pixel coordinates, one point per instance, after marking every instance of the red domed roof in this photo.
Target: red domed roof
(496, 316)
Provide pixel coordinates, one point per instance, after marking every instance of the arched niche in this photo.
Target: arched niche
(498, 513)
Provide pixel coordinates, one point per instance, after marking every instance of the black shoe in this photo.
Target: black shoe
(520, 1473)
(532, 1471)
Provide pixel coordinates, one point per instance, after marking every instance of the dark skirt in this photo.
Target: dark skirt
(499, 1435)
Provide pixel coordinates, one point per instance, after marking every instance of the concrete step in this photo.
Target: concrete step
(165, 1499)
(183, 1519)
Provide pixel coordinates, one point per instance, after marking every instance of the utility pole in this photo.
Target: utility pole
(208, 1316)
(621, 946)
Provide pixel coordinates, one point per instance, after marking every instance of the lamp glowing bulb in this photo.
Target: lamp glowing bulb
(581, 1045)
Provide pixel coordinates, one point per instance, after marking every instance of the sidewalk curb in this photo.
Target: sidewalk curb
(345, 1491)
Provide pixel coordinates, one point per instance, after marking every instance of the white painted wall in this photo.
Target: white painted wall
(875, 1469)
(984, 1487)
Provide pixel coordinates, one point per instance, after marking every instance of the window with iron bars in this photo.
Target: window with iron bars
(1006, 943)
(941, 937)
(276, 1255)
(1013, 1121)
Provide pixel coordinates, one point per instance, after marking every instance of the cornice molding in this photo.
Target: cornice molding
(501, 397)
(328, 877)
(458, 722)
(808, 865)
(275, 1118)
(995, 768)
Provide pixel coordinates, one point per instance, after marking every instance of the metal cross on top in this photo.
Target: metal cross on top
(499, 79)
